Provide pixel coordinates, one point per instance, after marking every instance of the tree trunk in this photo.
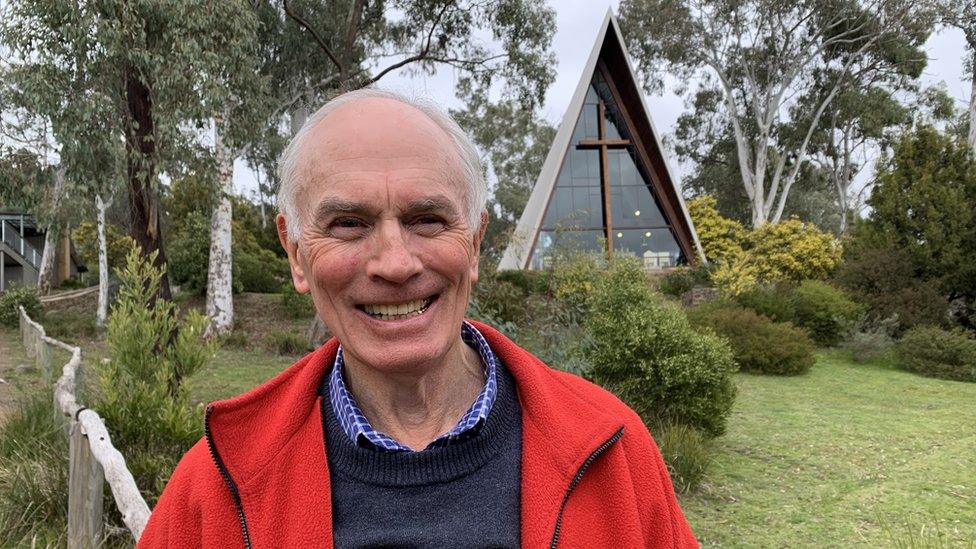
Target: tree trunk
(101, 314)
(45, 272)
(220, 295)
(972, 104)
(140, 149)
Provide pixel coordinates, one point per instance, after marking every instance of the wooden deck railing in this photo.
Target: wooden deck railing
(93, 459)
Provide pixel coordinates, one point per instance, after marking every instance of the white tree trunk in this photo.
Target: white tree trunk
(46, 270)
(972, 107)
(101, 315)
(220, 296)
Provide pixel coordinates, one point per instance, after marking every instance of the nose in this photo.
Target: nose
(391, 257)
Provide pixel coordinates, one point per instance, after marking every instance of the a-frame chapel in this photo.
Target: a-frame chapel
(606, 183)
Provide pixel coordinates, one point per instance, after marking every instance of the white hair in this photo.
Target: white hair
(476, 194)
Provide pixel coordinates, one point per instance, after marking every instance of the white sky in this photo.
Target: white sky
(577, 22)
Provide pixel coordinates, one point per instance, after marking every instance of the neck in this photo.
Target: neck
(416, 407)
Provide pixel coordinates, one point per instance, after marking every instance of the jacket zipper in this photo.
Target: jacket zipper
(235, 494)
(577, 478)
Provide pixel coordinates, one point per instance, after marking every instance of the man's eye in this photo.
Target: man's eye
(348, 227)
(428, 224)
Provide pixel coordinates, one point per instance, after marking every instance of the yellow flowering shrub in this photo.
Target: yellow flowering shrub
(721, 238)
(792, 250)
(737, 274)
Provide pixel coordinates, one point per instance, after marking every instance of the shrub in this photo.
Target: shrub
(142, 390)
(294, 304)
(868, 342)
(773, 301)
(883, 278)
(575, 276)
(792, 250)
(759, 344)
(15, 297)
(533, 282)
(286, 343)
(736, 275)
(33, 476)
(935, 352)
(721, 238)
(259, 270)
(499, 299)
(680, 281)
(687, 454)
(69, 325)
(649, 355)
(117, 245)
(824, 311)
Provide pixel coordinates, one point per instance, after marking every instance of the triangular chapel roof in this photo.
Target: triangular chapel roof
(609, 53)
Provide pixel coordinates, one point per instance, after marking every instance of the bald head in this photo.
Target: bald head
(377, 126)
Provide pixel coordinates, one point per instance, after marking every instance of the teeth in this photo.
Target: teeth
(391, 312)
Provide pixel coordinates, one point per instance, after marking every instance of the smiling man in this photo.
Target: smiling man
(412, 427)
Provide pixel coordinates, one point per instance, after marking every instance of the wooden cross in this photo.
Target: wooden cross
(604, 145)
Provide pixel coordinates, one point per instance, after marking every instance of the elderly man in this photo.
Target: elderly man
(412, 427)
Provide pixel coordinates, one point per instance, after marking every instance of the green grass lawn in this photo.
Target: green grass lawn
(848, 454)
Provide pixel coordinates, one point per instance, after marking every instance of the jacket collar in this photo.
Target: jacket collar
(563, 423)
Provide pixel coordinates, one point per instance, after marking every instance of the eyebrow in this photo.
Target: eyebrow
(431, 204)
(332, 205)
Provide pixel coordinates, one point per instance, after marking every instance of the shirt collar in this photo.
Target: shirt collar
(355, 425)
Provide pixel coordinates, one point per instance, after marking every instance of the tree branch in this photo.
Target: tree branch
(318, 39)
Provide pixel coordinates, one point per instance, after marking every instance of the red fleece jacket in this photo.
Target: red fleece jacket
(591, 473)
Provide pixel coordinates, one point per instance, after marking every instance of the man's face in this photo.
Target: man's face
(386, 249)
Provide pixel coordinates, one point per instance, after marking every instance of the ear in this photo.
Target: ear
(479, 235)
(290, 244)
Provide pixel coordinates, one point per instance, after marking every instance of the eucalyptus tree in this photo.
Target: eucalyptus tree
(760, 57)
(961, 14)
(139, 80)
(314, 49)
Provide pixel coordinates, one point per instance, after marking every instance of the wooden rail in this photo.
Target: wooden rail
(93, 459)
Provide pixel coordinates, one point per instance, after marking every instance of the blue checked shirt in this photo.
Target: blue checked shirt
(359, 430)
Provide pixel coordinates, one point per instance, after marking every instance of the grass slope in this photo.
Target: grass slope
(848, 454)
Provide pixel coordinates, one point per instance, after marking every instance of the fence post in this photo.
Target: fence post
(84, 493)
(44, 359)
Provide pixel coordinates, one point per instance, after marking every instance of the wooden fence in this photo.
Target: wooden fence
(93, 459)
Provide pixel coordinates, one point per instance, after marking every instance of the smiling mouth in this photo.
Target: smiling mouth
(398, 311)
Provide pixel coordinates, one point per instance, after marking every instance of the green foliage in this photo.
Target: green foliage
(536, 282)
(687, 453)
(255, 269)
(71, 326)
(824, 311)
(759, 344)
(16, 297)
(793, 250)
(935, 352)
(576, 275)
(678, 281)
(294, 304)
(286, 343)
(142, 391)
(649, 355)
(921, 205)
(774, 301)
(33, 475)
(499, 300)
(721, 238)
(883, 278)
(117, 245)
(870, 341)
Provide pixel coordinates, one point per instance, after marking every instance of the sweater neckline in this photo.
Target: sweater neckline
(435, 464)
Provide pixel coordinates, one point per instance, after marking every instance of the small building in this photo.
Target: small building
(606, 184)
(21, 248)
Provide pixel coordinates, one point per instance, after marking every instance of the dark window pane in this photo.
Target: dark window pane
(631, 200)
(656, 248)
(550, 243)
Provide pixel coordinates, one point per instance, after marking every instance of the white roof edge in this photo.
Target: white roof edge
(518, 251)
(657, 137)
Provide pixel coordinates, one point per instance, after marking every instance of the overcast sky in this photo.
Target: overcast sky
(577, 22)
